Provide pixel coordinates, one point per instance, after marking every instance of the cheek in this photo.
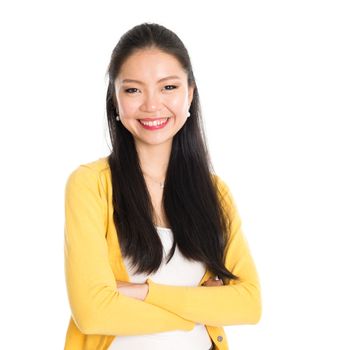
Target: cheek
(127, 106)
(177, 103)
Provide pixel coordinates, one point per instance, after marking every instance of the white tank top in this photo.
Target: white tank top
(179, 272)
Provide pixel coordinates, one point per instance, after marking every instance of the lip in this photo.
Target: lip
(151, 119)
(154, 127)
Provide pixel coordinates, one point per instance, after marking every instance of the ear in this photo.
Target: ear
(190, 94)
(114, 97)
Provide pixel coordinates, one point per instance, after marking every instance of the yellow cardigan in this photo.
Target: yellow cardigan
(93, 262)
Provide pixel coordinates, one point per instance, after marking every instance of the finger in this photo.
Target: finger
(217, 282)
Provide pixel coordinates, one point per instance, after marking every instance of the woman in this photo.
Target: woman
(150, 228)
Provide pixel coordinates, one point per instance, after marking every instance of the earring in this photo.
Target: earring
(117, 117)
(188, 114)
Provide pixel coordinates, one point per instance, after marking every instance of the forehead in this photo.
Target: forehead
(150, 64)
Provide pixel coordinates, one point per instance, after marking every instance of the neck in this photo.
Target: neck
(154, 159)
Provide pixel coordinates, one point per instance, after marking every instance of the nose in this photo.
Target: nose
(151, 102)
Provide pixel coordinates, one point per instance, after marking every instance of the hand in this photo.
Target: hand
(133, 290)
(212, 282)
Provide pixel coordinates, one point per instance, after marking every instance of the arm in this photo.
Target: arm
(96, 304)
(238, 302)
(140, 290)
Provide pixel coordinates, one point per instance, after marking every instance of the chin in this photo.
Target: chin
(154, 141)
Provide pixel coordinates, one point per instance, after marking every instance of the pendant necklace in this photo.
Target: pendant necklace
(161, 184)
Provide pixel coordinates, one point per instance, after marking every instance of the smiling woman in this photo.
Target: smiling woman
(155, 257)
(152, 94)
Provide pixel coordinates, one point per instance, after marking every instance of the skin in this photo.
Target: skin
(140, 290)
(153, 99)
(150, 98)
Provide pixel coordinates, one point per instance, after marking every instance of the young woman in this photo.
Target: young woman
(155, 257)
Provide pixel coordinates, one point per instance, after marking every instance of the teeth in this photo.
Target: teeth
(155, 122)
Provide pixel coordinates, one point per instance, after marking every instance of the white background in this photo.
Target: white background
(274, 82)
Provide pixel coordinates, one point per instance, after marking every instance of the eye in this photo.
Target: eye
(173, 87)
(130, 92)
(167, 87)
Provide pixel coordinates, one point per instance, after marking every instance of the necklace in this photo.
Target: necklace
(161, 184)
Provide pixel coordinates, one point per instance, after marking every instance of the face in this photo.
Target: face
(152, 89)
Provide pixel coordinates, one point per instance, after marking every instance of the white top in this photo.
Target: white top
(180, 272)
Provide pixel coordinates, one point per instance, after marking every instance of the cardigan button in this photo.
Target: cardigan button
(219, 338)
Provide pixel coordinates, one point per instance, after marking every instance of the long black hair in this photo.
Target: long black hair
(191, 199)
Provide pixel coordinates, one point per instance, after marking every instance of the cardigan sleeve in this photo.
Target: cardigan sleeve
(236, 302)
(96, 305)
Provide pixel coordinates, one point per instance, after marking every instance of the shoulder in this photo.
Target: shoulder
(225, 195)
(98, 165)
(94, 173)
(221, 184)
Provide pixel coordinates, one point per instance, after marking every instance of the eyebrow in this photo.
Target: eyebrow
(159, 81)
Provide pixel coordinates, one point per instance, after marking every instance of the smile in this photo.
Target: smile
(154, 124)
